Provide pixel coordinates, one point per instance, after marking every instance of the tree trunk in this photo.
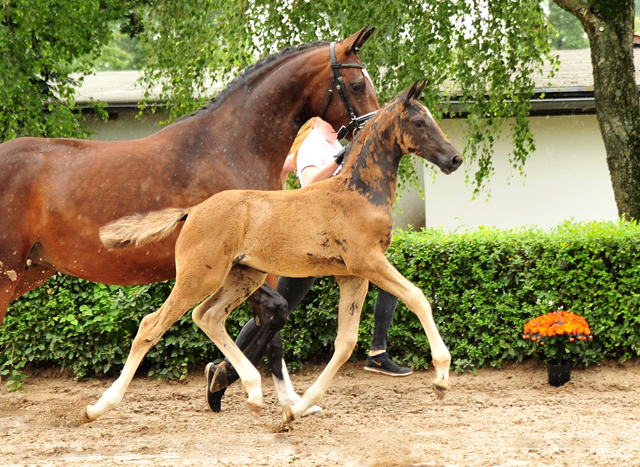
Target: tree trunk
(609, 26)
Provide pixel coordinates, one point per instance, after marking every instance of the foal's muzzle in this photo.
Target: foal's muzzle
(453, 163)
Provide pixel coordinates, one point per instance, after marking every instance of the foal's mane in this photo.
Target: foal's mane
(248, 72)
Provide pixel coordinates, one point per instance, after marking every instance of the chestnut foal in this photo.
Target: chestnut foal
(341, 226)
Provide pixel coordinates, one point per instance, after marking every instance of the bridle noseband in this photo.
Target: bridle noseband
(356, 122)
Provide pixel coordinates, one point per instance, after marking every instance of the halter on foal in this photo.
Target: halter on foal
(340, 227)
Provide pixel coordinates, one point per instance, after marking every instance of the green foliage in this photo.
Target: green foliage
(569, 32)
(44, 47)
(123, 52)
(88, 329)
(482, 285)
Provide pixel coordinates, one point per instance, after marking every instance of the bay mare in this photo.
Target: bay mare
(341, 226)
(55, 194)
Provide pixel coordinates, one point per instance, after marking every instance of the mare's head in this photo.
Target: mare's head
(416, 132)
(341, 89)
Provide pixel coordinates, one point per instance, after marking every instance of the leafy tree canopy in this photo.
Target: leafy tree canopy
(41, 44)
(569, 33)
(482, 53)
(123, 52)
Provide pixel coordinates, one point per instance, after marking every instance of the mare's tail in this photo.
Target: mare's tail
(139, 229)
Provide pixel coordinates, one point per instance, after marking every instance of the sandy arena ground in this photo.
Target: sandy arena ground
(508, 417)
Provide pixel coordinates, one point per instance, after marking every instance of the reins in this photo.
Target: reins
(336, 78)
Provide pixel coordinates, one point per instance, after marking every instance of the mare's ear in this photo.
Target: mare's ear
(414, 91)
(354, 42)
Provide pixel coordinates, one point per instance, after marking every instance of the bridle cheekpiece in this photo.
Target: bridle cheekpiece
(336, 78)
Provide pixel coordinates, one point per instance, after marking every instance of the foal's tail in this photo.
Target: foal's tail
(139, 229)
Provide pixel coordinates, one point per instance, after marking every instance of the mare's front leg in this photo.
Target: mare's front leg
(269, 316)
(211, 316)
(353, 290)
(384, 275)
(286, 394)
(262, 335)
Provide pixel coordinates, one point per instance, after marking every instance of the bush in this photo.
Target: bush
(482, 285)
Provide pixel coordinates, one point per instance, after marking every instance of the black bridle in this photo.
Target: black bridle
(336, 78)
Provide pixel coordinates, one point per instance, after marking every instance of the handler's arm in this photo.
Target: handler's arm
(287, 168)
(312, 174)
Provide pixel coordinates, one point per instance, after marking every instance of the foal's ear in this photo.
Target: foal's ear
(414, 91)
(420, 88)
(354, 42)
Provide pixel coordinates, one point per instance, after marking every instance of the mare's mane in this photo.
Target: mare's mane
(219, 98)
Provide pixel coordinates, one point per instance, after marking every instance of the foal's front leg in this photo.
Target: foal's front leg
(353, 290)
(385, 276)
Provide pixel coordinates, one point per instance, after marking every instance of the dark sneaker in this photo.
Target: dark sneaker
(214, 399)
(383, 364)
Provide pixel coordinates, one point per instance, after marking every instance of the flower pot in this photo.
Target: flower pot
(559, 374)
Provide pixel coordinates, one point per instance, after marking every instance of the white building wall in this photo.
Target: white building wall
(126, 126)
(565, 178)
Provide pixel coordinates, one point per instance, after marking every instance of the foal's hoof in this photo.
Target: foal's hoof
(254, 409)
(439, 390)
(287, 416)
(84, 417)
(315, 410)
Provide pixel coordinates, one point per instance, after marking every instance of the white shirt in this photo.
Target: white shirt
(315, 151)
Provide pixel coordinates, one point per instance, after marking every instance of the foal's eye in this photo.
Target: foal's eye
(419, 123)
(357, 87)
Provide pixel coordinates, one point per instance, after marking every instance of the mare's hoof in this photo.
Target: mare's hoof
(84, 417)
(254, 409)
(439, 391)
(287, 416)
(219, 380)
(213, 399)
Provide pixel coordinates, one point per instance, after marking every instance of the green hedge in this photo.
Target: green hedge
(483, 286)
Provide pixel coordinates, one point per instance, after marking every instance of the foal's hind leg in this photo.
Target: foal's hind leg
(211, 315)
(151, 329)
(353, 290)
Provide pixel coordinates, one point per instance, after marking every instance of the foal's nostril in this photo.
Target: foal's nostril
(456, 161)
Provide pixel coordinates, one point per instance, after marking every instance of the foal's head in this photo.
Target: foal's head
(416, 132)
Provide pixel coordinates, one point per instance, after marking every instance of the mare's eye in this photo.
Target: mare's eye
(419, 123)
(357, 86)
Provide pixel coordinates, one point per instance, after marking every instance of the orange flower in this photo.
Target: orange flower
(557, 323)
